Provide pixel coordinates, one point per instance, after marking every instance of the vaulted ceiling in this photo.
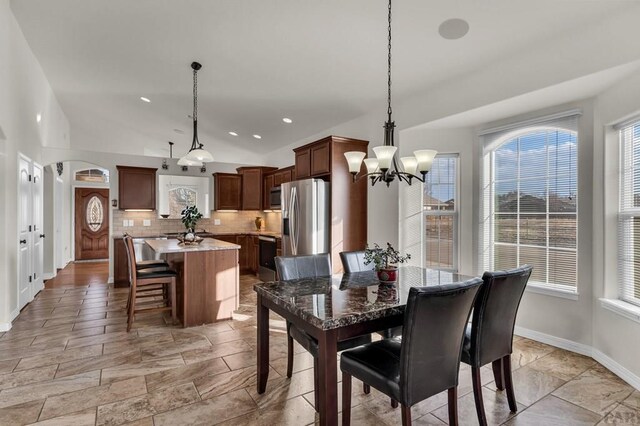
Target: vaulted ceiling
(320, 63)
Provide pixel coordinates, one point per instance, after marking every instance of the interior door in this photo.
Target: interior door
(24, 232)
(37, 234)
(91, 223)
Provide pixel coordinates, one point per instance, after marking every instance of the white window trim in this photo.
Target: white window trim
(455, 214)
(556, 290)
(621, 308)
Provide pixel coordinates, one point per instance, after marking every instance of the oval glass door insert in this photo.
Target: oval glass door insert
(95, 214)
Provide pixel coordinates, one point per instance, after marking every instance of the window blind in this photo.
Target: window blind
(441, 213)
(629, 214)
(529, 209)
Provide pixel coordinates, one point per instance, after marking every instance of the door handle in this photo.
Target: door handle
(23, 241)
(41, 235)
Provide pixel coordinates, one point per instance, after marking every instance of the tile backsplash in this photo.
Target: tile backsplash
(230, 222)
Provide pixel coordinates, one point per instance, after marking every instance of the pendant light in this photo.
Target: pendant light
(384, 168)
(197, 154)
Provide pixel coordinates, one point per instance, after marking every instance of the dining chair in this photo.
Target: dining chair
(156, 284)
(309, 266)
(426, 360)
(489, 337)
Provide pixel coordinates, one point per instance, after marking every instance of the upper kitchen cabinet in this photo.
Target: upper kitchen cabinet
(318, 159)
(227, 191)
(252, 186)
(274, 179)
(136, 188)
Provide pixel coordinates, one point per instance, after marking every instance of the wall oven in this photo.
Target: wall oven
(267, 255)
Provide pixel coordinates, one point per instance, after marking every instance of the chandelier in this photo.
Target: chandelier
(197, 154)
(384, 168)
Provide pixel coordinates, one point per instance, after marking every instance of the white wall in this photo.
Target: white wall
(25, 93)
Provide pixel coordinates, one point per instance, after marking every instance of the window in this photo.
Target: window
(629, 215)
(92, 175)
(441, 214)
(530, 201)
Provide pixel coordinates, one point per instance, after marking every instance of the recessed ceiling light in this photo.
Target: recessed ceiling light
(257, 136)
(38, 117)
(143, 99)
(453, 29)
(179, 131)
(287, 120)
(233, 133)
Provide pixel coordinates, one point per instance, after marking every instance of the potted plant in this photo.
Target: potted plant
(385, 261)
(190, 218)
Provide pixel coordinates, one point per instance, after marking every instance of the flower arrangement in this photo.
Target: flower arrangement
(385, 261)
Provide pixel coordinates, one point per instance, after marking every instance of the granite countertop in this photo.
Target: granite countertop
(205, 234)
(173, 246)
(344, 299)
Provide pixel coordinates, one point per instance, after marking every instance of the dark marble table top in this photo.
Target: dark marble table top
(344, 299)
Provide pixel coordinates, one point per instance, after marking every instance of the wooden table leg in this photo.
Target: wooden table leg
(328, 380)
(263, 346)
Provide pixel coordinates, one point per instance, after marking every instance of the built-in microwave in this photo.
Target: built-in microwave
(275, 198)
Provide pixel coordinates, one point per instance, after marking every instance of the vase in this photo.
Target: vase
(259, 222)
(388, 275)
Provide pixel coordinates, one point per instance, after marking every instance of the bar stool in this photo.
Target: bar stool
(150, 283)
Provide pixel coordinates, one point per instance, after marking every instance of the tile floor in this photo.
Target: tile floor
(68, 360)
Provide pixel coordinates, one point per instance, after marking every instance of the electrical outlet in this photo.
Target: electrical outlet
(216, 221)
(146, 222)
(125, 223)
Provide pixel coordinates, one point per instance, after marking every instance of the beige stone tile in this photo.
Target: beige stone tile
(301, 361)
(147, 405)
(139, 343)
(99, 323)
(241, 360)
(104, 338)
(218, 384)
(554, 411)
(8, 365)
(21, 324)
(92, 397)
(358, 397)
(68, 320)
(621, 415)
(16, 343)
(182, 343)
(526, 351)
(211, 411)
(21, 378)
(215, 351)
(188, 373)
(21, 414)
(45, 348)
(495, 405)
(295, 411)
(594, 392)
(60, 357)
(23, 334)
(531, 385)
(142, 368)
(562, 364)
(147, 421)
(633, 401)
(380, 405)
(82, 418)
(36, 391)
(283, 388)
(428, 420)
(98, 363)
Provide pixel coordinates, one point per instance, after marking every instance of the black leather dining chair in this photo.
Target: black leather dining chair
(309, 266)
(489, 337)
(426, 360)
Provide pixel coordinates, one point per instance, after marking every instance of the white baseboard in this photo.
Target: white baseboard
(48, 276)
(569, 345)
(110, 280)
(6, 326)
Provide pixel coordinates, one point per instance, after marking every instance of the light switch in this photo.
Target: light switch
(216, 221)
(146, 222)
(125, 223)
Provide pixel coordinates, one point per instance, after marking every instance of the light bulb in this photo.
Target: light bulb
(372, 164)
(354, 159)
(385, 155)
(409, 164)
(425, 159)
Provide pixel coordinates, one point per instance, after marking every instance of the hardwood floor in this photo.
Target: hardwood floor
(69, 360)
(80, 274)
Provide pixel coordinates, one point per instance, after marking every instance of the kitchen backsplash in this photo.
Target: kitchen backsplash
(230, 222)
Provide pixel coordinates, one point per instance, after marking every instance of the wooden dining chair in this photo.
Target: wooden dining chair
(150, 263)
(489, 337)
(426, 360)
(155, 285)
(309, 266)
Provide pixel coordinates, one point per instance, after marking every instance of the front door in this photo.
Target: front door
(91, 223)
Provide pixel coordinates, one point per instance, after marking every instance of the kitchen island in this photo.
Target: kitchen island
(208, 278)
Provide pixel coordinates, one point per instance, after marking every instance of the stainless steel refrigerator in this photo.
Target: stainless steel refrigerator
(305, 217)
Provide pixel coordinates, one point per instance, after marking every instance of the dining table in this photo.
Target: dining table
(335, 308)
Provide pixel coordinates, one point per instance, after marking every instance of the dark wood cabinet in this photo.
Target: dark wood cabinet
(286, 174)
(315, 159)
(120, 264)
(136, 188)
(252, 186)
(227, 191)
(267, 184)
(254, 253)
(303, 163)
(321, 159)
